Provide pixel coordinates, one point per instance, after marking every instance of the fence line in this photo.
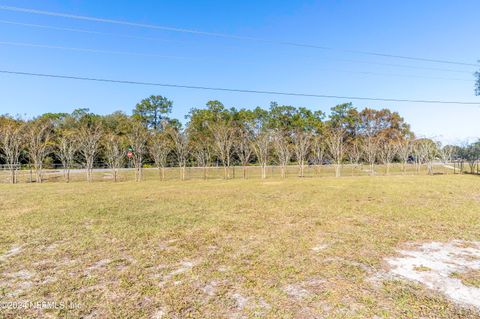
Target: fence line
(26, 173)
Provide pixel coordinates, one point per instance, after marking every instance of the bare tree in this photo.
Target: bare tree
(319, 150)
(282, 149)
(201, 150)
(369, 145)
(425, 150)
(38, 144)
(387, 150)
(89, 136)
(114, 153)
(261, 146)
(137, 138)
(11, 139)
(181, 146)
(334, 140)
(160, 146)
(243, 148)
(67, 146)
(354, 153)
(223, 137)
(405, 147)
(301, 143)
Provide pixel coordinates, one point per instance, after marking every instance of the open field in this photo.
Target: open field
(295, 248)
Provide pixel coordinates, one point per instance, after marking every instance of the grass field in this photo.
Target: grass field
(295, 248)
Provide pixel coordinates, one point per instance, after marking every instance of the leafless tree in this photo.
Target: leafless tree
(425, 150)
(67, 146)
(181, 144)
(160, 146)
(282, 149)
(334, 139)
(405, 147)
(38, 144)
(11, 140)
(387, 150)
(301, 143)
(89, 136)
(137, 138)
(114, 153)
(201, 150)
(370, 146)
(243, 148)
(354, 153)
(319, 150)
(223, 134)
(261, 146)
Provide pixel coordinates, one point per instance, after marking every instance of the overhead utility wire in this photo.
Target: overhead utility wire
(49, 27)
(225, 35)
(45, 75)
(41, 26)
(34, 45)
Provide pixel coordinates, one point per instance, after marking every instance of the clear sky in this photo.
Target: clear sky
(438, 29)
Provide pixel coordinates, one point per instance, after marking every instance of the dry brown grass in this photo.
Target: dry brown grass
(295, 248)
(469, 278)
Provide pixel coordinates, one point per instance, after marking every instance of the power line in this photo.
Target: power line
(403, 66)
(34, 45)
(174, 41)
(44, 46)
(182, 86)
(49, 27)
(400, 75)
(225, 35)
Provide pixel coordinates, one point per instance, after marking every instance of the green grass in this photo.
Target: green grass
(295, 248)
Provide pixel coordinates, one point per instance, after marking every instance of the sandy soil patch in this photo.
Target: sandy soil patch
(15, 250)
(432, 264)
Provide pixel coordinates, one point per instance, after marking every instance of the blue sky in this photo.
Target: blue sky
(439, 29)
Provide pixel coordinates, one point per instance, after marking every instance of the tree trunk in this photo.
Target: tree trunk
(337, 170)
(13, 177)
(301, 169)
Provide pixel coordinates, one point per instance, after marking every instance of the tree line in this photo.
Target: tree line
(280, 135)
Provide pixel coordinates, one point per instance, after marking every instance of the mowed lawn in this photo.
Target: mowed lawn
(294, 248)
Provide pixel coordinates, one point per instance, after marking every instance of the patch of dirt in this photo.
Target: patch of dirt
(184, 266)
(319, 247)
(17, 283)
(242, 303)
(159, 314)
(296, 291)
(432, 264)
(305, 289)
(210, 289)
(15, 250)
